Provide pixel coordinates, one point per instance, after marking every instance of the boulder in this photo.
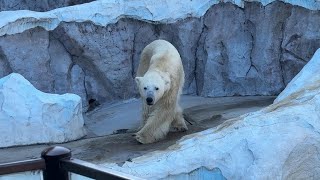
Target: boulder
(26, 111)
(281, 141)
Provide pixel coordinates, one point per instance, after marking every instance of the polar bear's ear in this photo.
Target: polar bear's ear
(138, 80)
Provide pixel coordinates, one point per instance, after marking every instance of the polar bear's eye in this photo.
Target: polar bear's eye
(157, 88)
(145, 88)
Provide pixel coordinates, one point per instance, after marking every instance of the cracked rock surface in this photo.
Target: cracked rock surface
(37, 5)
(25, 110)
(230, 50)
(280, 141)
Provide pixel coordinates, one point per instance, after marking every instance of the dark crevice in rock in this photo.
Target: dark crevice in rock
(200, 59)
(48, 64)
(5, 67)
(92, 104)
(251, 28)
(282, 50)
(224, 53)
(293, 38)
(85, 86)
(281, 57)
(132, 56)
(294, 55)
(195, 70)
(69, 71)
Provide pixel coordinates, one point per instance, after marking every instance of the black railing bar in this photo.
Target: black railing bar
(93, 171)
(22, 166)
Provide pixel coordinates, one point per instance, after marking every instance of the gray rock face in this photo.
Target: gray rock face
(42, 60)
(37, 5)
(223, 55)
(104, 53)
(28, 54)
(255, 50)
(301, 38)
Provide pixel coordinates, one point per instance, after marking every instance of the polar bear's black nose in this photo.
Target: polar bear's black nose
(149, 100)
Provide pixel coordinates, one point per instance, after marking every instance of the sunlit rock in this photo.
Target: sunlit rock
(29, 116)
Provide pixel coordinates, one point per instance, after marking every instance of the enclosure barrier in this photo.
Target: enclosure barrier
(56, 163)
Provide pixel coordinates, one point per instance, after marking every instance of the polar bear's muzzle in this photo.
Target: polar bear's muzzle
(150, 98)
(149, 101)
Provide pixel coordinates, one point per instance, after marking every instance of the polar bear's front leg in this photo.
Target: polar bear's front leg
(156, 127)
(178, 124)
(145, 116)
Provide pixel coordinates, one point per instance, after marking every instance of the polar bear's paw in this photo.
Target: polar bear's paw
(142, 139)
(179, 126)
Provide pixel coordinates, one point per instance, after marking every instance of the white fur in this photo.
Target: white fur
(160, 76)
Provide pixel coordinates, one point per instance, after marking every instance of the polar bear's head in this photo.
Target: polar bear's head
(152, 86)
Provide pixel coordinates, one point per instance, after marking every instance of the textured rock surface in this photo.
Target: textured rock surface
(308, 77)
(226, 51)
(103, 12)
(301, 38)
(246, 147)
(37, 5)
(25, 110)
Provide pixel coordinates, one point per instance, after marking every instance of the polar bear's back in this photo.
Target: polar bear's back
(160, 55)
(160, 47)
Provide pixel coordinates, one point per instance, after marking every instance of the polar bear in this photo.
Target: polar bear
(160, 78)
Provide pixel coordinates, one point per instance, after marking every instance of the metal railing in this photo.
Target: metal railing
(57, 163)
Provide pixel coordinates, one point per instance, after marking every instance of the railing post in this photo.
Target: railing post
(52, 157)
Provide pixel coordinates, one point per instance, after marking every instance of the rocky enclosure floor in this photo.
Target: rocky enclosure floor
(110, 128)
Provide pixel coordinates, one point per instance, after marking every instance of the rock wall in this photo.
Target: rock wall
(37, 5)
(230, 50)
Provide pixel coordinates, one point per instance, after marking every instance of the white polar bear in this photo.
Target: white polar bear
(160, 79)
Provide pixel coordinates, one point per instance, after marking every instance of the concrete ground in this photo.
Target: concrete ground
(110, 128)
